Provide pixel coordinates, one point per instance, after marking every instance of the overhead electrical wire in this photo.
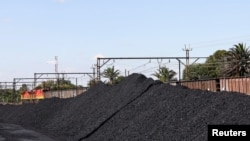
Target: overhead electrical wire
(226, 41)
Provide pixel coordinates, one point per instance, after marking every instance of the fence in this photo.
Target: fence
(241, 85)
(209, 85)
(63, 93)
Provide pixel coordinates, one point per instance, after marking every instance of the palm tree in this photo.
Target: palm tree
(164, 74)
(111, 74)
(238, 61)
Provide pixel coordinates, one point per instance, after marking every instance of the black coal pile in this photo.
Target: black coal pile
(138, 108)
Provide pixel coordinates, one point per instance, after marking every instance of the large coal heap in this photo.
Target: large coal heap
(138, 108)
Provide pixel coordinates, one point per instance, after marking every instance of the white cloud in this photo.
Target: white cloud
(59, 1)
(53, 62)
(7, 20)
(97, 56)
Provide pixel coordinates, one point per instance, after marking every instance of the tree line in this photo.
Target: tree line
(232, 63)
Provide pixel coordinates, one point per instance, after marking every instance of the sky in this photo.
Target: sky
(33, 32)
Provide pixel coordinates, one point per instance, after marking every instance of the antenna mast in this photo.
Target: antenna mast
(187, 60)
(56, 67)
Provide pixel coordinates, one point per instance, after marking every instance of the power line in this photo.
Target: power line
(100, 64)
(246, 37)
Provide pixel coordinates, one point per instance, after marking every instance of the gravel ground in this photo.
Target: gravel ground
(138, 108)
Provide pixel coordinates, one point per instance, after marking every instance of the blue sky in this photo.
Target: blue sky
(32, 32)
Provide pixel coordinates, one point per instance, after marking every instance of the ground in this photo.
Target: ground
(13, 132)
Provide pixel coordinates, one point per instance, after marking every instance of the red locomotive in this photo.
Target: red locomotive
(33, 95)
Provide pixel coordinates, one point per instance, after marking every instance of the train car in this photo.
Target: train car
(32, 96)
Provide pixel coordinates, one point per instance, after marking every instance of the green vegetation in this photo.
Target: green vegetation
(118, 79)
(164, 74)
(113, 75)
(232, 63)
(197, 71)
(210, 69)
(92, 83)
(238, 61)
(6, 95)
(60, 84)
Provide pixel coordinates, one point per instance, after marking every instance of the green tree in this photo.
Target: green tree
(211, 68)
(24, 87)
(118, 79)
(196, 71)
(59, 84)
(213, 64)
(237, 61)
(164, 74)
(6, 95)
(111, 73)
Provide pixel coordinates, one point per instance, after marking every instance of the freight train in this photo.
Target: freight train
(32, 95)
(40, 94)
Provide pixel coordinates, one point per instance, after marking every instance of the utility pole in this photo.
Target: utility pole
(93, 67)
(187, 50)
(57, 75)
(56, 65)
